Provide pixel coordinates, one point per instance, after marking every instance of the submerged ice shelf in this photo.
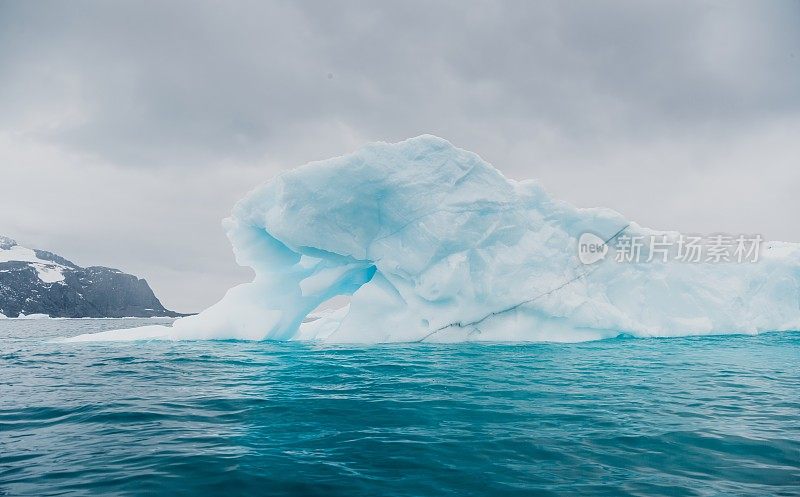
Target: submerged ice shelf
(432, 243)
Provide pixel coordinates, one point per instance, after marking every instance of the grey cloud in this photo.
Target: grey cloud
(180, 83)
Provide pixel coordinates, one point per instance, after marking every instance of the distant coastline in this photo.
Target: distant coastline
(37, 284)
(35, 317)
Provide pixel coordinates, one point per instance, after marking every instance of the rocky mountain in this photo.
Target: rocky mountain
(39, 282)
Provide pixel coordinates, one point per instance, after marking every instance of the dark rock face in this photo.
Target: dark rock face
(71, 291)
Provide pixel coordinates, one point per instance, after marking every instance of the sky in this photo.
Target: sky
(129, 129)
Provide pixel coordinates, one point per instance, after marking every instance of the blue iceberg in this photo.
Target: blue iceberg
(431, 243)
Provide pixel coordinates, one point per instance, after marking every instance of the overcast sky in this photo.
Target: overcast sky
(129, 129)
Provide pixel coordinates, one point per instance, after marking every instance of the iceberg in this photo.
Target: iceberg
(431, 243)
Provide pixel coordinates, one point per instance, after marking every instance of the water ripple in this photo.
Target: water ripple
(685, 416)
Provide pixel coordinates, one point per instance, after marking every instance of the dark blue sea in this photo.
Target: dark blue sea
(705, 416)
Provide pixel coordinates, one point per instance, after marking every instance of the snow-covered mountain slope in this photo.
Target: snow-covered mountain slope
(434, 244)
(36, 282)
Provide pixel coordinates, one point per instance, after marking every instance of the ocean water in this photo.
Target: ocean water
(683, 416)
